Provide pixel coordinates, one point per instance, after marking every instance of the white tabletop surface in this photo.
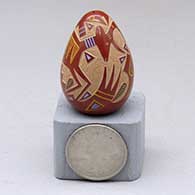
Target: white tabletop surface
(33, 36)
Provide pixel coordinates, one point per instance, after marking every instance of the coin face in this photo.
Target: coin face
(96, 152)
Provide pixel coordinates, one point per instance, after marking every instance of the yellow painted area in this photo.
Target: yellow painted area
(72, 49)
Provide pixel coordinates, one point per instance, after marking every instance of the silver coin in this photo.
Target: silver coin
(96, 152)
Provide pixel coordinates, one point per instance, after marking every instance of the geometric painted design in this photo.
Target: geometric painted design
(72, 49)
(104, 96)
(97, 69)
(82, 31)
(122, 59)
(89, 42)
(69, 83)
(86, 95)
(88, 57)
(121, 91)
(99, 19)
(89, 26)
(126, 47)
(94, 105)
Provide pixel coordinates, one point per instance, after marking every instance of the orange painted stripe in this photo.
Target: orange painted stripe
(104, 98)
(106, 94)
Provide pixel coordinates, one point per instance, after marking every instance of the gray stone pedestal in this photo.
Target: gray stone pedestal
(128, 123)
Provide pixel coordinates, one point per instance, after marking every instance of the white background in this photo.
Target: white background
(33, 36)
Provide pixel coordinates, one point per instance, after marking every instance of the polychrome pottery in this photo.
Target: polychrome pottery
(97, 68)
